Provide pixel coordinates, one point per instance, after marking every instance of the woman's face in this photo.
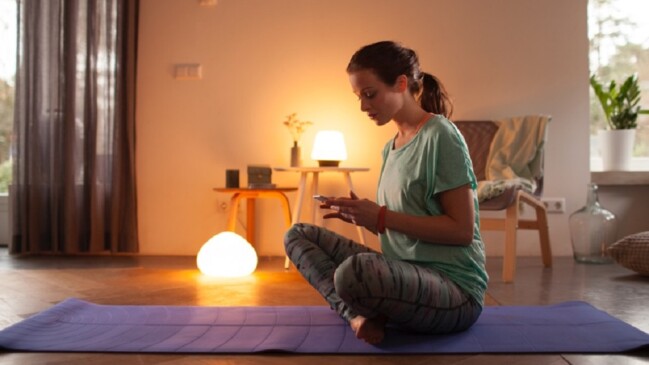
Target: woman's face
(380, 101)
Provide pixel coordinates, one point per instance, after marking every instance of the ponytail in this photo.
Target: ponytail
(433, 97)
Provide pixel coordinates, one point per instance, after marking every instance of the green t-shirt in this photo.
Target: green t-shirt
(412, 177)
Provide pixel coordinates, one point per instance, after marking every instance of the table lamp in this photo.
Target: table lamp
(329, 148)
(227, 255)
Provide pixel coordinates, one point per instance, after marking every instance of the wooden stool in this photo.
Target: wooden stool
(251, 195)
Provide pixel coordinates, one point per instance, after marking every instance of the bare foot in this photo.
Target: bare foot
(371, 330)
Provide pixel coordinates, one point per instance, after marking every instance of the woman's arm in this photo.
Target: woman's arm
(362, 207)
(454, 227)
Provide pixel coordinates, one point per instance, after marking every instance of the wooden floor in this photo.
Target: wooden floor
(30, 285)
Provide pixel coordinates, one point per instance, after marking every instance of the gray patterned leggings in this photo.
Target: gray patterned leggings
(356, 280)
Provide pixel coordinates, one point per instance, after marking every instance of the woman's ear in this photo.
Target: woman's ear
(401, 85)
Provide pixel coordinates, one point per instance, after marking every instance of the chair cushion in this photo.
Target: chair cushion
(632, 252)
(501, 201)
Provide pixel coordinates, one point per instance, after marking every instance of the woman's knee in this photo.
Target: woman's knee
(297, 232)
(343, 279)
(354, 274)
(290, 235)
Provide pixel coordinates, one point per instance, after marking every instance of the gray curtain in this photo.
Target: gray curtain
(73, 188)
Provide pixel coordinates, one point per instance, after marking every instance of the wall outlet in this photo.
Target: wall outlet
(554, 205)
(222, 206)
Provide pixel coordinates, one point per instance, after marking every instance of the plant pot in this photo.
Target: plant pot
(616, 148)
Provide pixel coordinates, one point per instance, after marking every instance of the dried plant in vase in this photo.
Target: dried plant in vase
(297, 128)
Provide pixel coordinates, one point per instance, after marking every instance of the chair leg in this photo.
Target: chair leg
(509, 257)
(544, 237)
(542, 226)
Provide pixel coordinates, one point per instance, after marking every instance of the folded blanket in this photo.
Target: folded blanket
(516, 156)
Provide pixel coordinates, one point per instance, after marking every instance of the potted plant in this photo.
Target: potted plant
(621, 109)
(296, 127)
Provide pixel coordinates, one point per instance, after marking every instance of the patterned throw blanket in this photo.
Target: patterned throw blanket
(491, 189)
(515, 157)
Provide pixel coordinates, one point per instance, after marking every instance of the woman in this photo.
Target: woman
(430, 275)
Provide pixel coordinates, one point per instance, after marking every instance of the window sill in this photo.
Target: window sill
(638, 175)
(620, 178)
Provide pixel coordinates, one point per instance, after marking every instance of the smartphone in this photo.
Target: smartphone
(321, 198)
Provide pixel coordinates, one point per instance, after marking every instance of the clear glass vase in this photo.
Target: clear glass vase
(592, 230)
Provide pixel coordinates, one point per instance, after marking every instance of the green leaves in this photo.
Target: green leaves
(620, 105)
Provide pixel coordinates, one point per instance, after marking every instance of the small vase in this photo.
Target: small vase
(592, 230)
(296, 160)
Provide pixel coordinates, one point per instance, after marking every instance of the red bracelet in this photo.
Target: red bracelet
(380, 222)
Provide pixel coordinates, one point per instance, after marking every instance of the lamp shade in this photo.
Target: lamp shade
(227, 255)
(329, 148)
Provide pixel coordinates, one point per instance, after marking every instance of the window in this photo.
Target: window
(8, 36)
(618, 31)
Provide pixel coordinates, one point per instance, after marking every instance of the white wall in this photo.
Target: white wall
(265, 59)
(629, 203)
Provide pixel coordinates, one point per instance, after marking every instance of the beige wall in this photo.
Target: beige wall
(264, 59)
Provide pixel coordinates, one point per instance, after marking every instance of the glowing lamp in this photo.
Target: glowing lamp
(329, 148)
(227, 255)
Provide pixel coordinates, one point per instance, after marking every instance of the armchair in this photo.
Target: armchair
(507, 158)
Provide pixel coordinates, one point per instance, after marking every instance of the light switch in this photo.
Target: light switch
(208, 2)
(188, 71)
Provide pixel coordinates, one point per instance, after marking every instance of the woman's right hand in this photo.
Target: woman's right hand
(330, 204)
(361, 212)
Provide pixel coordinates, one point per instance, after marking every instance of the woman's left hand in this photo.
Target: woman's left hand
(361, 212)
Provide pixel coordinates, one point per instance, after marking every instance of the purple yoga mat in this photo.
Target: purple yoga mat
(78, 326)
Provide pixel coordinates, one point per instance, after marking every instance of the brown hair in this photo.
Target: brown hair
(388, 60)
